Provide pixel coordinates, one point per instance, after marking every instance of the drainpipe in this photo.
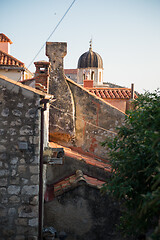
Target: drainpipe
(44, 103)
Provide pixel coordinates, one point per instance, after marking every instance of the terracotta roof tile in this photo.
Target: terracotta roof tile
(112, 93)
(91, 160)
(71, 182)
(8, 60)
(4, 38)
(70, 71)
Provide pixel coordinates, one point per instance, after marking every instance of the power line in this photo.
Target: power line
(52, 32)
(49, 37)
(104, 129)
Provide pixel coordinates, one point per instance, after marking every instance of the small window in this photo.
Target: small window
(42, 70)
(92, 75)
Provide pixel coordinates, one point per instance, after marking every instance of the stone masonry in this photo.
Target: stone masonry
(62, 112)
(19, 161)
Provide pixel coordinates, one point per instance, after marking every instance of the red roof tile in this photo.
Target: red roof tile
(69, 183)
(101, 163)
(8, 60)
(112, 93)
(70, 71)
(4, 38)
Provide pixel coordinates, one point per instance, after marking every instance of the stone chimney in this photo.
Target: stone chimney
(42, 75)
(132, 91)
(5, 43)
(62, 111)
(87, 83)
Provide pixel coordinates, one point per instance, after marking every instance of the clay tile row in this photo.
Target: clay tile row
(112, 93)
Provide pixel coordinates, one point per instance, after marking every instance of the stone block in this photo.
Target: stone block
(12, 212)
(33, 200)
(14, 180)
(33, 222)
(3, 211)
(26, 130)
(16, 112)
(22, 168)
(14, 199)
(30, 190)
(4, 173)
(3, 156)
(2, 148)
(35, 179)
(12, 131)
(5, 112)
(13, 189)
(20, 105)
(2, 132)
(3, 182)
(14, 160)
(34, 169)
(22, 161)
(27, 211)
(21, 221)
(25, 181)
(30, 113)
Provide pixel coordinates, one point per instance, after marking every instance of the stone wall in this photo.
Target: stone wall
(95, 120)
(84, 214)
(19, 161)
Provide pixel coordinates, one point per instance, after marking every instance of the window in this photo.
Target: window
(100, 77)
(92, 75)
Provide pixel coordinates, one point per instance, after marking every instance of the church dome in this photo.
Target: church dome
(90, 59)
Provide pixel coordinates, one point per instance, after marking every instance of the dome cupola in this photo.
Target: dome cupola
(90, 67)
(90, 59)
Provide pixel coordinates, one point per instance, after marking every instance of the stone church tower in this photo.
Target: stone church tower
(90, 67)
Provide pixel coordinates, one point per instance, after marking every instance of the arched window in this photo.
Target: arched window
(92, 75)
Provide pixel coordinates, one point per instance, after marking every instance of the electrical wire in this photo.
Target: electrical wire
(52, 32)
(104, 129)
(48, 38)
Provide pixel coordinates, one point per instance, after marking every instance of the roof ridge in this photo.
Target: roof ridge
(8, 55)
(4, 37)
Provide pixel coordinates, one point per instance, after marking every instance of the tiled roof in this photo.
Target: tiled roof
(70, 71)
(8, 60)
(41, 87)
(112, 93)
(71, 182)
(90, 160)
(4, 38)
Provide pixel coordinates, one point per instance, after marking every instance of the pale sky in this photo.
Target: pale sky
(126, 33)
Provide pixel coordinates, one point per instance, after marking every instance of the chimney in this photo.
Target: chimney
(42, 75)
(132, 91)
(87, 83)
(5, 43)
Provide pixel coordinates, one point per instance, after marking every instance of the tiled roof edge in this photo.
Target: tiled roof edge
(84, 89)
(12, 58)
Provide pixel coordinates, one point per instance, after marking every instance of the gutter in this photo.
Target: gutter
(40, 228)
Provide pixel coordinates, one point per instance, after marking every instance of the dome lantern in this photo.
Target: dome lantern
(90, 63)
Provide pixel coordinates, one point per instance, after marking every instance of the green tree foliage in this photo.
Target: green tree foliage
(135, 161)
